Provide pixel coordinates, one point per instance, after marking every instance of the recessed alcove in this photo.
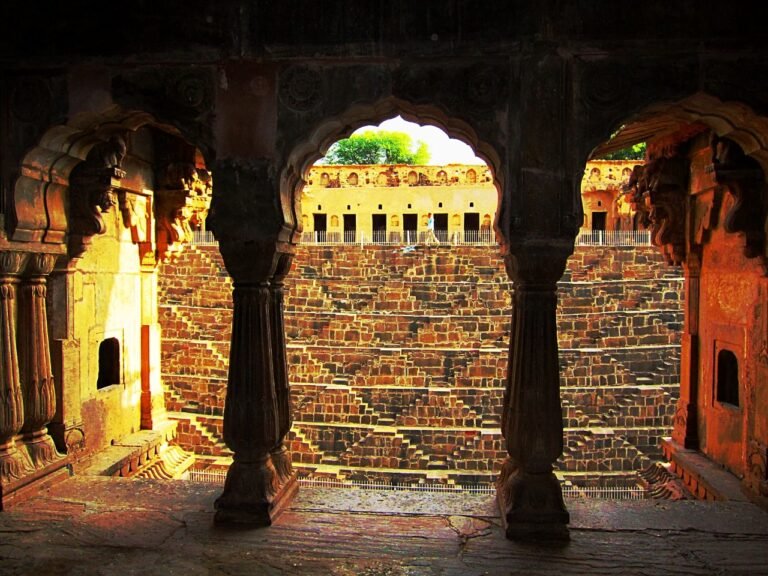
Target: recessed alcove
(727, 385)
(109, 363)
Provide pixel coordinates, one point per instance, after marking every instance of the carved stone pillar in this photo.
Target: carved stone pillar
(685, 431)
(528, 493)
(35, 362)
(13, 463)
(260, 481)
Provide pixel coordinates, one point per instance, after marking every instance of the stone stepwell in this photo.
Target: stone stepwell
(397, 360)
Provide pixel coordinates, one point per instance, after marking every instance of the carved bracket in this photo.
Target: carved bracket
(658, 192)
(744, 179)
(92, 186)
(136, 210)
(181, 204)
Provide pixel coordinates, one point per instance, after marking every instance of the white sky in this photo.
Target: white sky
(442, 149)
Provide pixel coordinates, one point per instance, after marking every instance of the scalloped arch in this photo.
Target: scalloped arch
(41, 190)
(728, 119)
(319, 138)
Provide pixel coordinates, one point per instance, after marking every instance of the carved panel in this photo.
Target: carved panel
(744, 180)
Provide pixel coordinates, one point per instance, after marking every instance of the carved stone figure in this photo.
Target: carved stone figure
(92, 186)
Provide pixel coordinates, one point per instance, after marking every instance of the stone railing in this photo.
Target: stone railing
(460, 238)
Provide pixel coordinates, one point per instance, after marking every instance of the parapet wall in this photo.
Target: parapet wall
(397, 359)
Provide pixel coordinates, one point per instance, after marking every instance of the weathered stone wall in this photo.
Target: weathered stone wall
(397, 359)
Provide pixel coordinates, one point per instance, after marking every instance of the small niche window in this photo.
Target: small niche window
(727, 378)
(109, 363)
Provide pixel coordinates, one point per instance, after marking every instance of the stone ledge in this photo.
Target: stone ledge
(128, 455)
(703, 477)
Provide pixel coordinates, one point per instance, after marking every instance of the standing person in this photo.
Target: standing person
(431, 238)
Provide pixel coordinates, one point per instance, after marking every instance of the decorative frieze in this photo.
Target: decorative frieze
(366, 176)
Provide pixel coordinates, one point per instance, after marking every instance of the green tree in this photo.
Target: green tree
(377, 147)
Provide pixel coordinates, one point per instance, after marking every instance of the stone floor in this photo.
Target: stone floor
(115, 526)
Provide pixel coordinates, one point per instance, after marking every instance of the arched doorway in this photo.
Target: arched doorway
(531, 418)
(703, 192)
(95, 201)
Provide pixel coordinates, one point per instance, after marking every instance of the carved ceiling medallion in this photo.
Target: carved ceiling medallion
(484, 87)
(300, 88)
(192, 92)
(604, 86)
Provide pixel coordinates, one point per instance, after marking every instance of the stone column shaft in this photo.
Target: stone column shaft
(280, 456)
(13, 463)
(254, 240)
(685, 431)
(257, 416)
(529, 494)
(35, 362)
(250, 412)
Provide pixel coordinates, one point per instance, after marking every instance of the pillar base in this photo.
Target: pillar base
(24, 488)
(254, 495)
(41, 448)
(14, 463)
(532, 506)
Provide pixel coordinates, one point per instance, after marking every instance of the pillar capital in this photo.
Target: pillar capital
(40, 264)
(256, 262)
(246, 205)
(538, 262)
(12, 263)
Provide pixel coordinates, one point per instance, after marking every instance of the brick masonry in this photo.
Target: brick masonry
(397, 360)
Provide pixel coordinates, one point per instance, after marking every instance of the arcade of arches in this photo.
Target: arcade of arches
(109, 143)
